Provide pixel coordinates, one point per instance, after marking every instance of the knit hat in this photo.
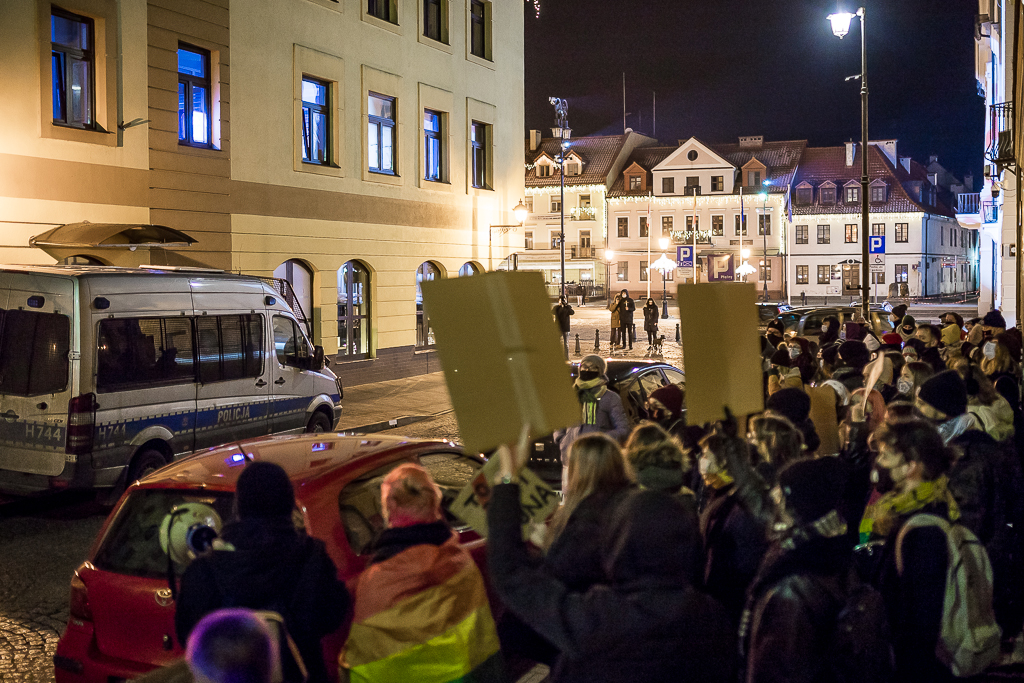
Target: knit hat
(595, 360)
(994, 319)
(670, 396)
(780, 357)
(899, 311)
(907, 327)
(951, 335)
(892, 339)
(829, 353)
(776, 324)
(957, 318)
(812, 487)
(945, 392)
(264, 490)
(855, 354)
(791, 403)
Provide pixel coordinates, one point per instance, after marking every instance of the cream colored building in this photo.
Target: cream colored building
(352, 147)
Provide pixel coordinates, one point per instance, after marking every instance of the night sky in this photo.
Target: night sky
(725, 68)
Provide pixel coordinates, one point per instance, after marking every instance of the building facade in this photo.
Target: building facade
(352, 147)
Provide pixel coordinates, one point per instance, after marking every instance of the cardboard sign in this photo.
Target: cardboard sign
(721, 354)
(538, 501)
(502, 357)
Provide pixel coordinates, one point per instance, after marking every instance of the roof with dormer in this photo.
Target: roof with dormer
(597, 152)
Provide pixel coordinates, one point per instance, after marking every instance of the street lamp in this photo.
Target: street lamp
(840, 27)
(764, 233)
(745, 268)
(664, 264)
(520, 212)
(609, 255)
(562, 130)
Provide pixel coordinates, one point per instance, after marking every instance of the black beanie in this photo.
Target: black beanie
(829, 353)
(776, 324)
(791, 403)
(899, 311)
(780, 357)
(945, 392)
(812, 487)
(855, 354)
(994, 319)
(264, 490)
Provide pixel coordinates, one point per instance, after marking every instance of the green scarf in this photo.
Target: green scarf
(589, 393)
(881, 516)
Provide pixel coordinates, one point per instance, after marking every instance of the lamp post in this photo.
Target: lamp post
(745, 268)
(840, 27)
(663, 264)
(764, 235)
(562, 130)
(609, 255)
(520, 211)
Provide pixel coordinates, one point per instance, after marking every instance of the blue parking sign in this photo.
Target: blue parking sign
(876, 244)
(684, 257)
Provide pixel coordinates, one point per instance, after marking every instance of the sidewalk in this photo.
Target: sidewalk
(595, 318)
(382, 405)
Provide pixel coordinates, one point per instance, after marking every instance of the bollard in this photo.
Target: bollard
(577, 343)
(597, 340)
(677, 333)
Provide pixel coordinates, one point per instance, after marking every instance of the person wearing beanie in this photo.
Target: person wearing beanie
(665, 406)
(263, 562)
(829, 330)
(892, 341)
(782, 372)
(907, 327)
(993, 323)
(851, 359)
(795, 406)
(896, 314)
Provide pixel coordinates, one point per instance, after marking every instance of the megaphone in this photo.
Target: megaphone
(188, 530)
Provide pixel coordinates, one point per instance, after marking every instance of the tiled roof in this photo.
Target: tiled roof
(820, 164)
(597, 151)
(647, 158)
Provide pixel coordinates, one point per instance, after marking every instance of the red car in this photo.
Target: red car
(122, 611)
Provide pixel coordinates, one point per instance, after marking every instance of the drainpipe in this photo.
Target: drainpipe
(924, 259)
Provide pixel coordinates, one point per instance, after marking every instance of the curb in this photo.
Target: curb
(388, 424)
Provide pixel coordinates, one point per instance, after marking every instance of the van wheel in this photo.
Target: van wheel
(318, 424)
(145, 463)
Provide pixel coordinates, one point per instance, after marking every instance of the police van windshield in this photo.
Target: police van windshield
(34, 350)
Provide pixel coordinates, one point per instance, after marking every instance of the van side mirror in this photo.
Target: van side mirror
(319, 361)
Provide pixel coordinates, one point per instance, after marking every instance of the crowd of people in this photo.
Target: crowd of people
(865, 527)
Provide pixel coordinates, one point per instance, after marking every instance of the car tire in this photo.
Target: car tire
(144, 463)
(318, 424)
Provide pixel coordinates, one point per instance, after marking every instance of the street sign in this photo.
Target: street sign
(876, 244)
(684, 273)
(684, 256)
(721, 269)
(877, 262)
(877, 267)
(949, 262)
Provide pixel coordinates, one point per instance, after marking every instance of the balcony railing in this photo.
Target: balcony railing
(583, 213)
(1000, 149)
(968, 202)
(989, 212)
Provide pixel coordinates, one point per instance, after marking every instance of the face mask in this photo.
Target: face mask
(842, 334)
(587, 375)
(707, 465)
(989, 350)
(904, 387)
(881, 479)
(824, 327)
(794, 351)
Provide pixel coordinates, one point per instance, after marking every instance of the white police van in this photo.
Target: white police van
(109, 373)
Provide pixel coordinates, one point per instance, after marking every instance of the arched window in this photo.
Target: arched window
(300, 298)
(82, 260)
(353, 311)
(469, 268)
(424, 334)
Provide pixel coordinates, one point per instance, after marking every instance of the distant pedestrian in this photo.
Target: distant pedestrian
(583, 293)
(615, 321)
(626, 307)
(651, 316)
(562, 311)
(803, 298)
(232, 646)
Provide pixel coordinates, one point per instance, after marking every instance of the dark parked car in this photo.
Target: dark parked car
(634, 380)
(806, 322)
(766, 312)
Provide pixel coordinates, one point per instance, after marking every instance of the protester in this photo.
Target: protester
(780, 372)
(912, 376)
(232, 646)
(892, 341)
(651, 317)
(998, 360)
(265, 563)
(896, 315)
(645, 622)
(993, 324)
(421, 610)
(600, 409)
(913, 349)
(562, 311)
(829, 330)
(774, 336)
(626, 306)
(797, 406)
(907, 327)
(930, 337)
(853, 356)
(665, 405)
(659, 462)
(776, 441)
(615, 321)
(993, 411)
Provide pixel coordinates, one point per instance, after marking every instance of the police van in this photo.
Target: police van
(109, 373)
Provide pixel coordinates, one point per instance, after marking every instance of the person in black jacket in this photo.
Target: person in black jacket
(264, 563)
(562, 311)
(651, 317)
(644, 622)
(626, 306)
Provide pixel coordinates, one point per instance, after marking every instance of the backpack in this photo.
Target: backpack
(969, 638)
(286, 646)
(861, 643)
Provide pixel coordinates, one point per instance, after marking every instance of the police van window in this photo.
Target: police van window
(143, 352)
(359, 504)
(290, 344)
(34, 352)
(230, 347)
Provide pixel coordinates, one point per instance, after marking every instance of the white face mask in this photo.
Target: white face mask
(842, 334)
(707, 465)
(989, 350)
(904, 386)
(794, 351)
(824, 327)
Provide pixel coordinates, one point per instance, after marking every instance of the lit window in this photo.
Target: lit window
(623, 226)
(644, 232)
(802, 275)
(901, 272)
(824, 275)
(432, 145)
(740, 225)
(315, 122)
(622, 271)
(801, 234)
(353, 311)
(73, 69)
(643, 271)
(852, 195)
(851, 233)
(528, 243)
(717, 183)
(902, 232)
(194, 120)
(824, 236)
(666, 226)
(381, 134)
(634, 182)
(718, 226)
(878, 229)
(764, 224)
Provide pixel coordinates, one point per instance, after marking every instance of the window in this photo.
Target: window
(230, 347)
(479, 39)
(753, 178)
(634, 182)
(802, 275)
(764, 272)
(824, 275)
(73, 67)
(666, 226)
(643, 271)
(299, 291)
(556, 203)
(878, 229)
(692, 223)
(543, 170)
(823, 234)
(644, 231)
(584, 201)
(622, 273)
(381, 133)
(691, 183)
(315, 122)
(432, 145)
(360, 507)
(353, 311)
(34, 350)
(479, 137)
(668, 185)
(623, 223)
(556, 239)
(952, 236)
(804, 195)
(528, 240)
(801, 234)
(194, 120)
(902, 232)
(878, 196)
(290, 345)
(529, 204)
(585, 242)
(851, 233)
(137, 353)
(718, 225)
(764, 224)
(901, 272)
(828, 195)
(852, 195)
(469, 269)
(383, 9)
(435, 20)
(424, 333)
(741, 225)
(717, 183)
(572, 168)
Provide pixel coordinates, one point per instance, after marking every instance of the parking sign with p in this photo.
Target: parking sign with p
(684, 257)
(876, 244)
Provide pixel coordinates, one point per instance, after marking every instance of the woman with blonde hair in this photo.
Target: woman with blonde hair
(997, 361)
(658, 459)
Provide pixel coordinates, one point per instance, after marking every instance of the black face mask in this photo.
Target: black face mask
(587, 375)
(881, 479)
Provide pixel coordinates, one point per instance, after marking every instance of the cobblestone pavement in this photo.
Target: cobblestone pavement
(43, 542)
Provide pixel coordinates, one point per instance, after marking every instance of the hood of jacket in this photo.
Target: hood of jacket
(650, 538)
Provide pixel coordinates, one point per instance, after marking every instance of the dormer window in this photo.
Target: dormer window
(804, 194)
(878, 192)
(634, 182)
(543, 170)
(572, 168)
(827, 194)
(753, 178)
(851, 194)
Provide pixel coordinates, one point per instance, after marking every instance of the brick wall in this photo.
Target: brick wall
(392, 363)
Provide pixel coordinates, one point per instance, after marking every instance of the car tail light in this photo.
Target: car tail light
(79, 607)
(81, 424)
